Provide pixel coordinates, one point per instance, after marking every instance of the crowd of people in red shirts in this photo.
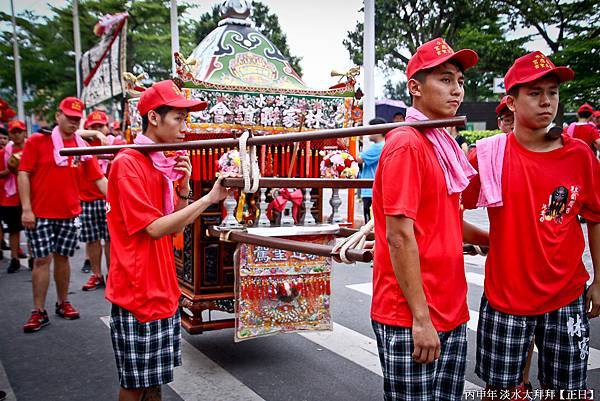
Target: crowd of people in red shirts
(534, 185)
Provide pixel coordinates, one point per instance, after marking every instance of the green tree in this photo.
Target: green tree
(397, 91)
(582, 56)
(496, 55)
(556, 22)
(571, 30)
(266, 22)
(462, 24)
(47, 55)
(402, 26)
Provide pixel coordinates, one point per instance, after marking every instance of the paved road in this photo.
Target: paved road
(73, 360)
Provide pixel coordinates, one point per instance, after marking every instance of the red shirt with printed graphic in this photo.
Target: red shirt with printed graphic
(142, 277)
(8, 200)
(536, 241)
(410, 182)
(54, 190)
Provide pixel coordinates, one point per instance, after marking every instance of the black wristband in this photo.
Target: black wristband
(188, 197)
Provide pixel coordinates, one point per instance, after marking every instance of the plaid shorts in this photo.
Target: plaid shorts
(53, 236)
(93, 221)
(561, 336)
(406, 380)
(146, 353)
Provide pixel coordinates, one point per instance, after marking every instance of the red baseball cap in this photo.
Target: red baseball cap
(95, 117)
(167, 93)
(597, 113)
(436, 52)
(533, 66)
(16, 125)
(72, 107)
(585, 107)
(501, 106)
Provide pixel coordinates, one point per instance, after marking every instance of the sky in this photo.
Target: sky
(315, 31)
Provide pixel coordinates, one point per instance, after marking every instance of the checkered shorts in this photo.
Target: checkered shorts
(406, 380)
(146, 353)
(561, 336)
(53, 236)
(93, 221)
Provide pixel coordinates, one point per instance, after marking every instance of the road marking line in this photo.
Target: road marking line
(5, 385)
(367, 289)
(355, 347)
(201, 379)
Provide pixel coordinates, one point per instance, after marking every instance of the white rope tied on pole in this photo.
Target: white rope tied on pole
(249, 165)
(358, 240)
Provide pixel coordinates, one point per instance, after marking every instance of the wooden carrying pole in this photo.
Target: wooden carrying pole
(302, 183)
(269, 139)
(355, 255)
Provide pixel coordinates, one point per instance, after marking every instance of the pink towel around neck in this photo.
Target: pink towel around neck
(452, 159)
(490, 158)
(58, 143)
(103, 163)
(10, 182)
(166, 165)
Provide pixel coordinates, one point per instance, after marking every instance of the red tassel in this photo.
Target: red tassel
(302, 164)
(269, 167)
(203, 164)
(276, 162)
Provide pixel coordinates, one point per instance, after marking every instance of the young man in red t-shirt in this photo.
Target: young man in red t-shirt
(143, 211)
(419, 308)
(93, 212)
(10, 206)
(535, 279)
(584, 128)
(50, 215)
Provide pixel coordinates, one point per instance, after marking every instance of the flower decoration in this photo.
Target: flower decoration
(230, 162)
(339, 164)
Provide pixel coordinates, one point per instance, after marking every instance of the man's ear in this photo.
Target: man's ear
(510, 103)
(153, 117)
(414, 87)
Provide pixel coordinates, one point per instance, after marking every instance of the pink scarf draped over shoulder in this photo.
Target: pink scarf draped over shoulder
(457, 169)
(166, 166)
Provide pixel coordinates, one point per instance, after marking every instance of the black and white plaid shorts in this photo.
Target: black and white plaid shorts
(406, 380)
(561, 336)
(93, 221)
(146, 353)
(53, 236)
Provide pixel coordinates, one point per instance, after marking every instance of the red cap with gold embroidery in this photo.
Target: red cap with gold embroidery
(16, 125)
(436, 52)
(167, 93)
(501, 106)
(95, 117)
(72, 107)
(533, 66)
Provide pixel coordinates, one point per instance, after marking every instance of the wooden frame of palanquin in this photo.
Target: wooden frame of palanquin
(205, 265)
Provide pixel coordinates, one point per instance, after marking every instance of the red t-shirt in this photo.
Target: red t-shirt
(54, 190)
(536, 241)
(410, 182)
(12, 200)
(142, 277)
(587, 132)
(88, 190)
